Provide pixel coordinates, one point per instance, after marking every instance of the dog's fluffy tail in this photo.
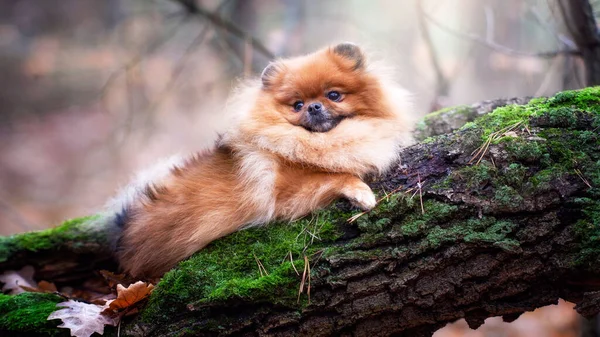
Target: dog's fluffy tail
(114, 216)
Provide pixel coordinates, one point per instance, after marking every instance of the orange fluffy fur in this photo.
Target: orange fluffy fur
(272, 163)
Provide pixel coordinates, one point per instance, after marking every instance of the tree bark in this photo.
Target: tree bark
(463, 234)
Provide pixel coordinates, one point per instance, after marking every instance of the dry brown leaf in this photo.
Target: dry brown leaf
(43, 287)
(126, 297)
(47, 286)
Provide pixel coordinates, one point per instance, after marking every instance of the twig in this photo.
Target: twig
(442, 83)
(490, 43)
(134, 61)
(227, 25)
(561, 38)
(179, 69)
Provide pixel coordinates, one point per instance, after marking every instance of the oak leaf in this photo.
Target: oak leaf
(82, 319)
(127, 297)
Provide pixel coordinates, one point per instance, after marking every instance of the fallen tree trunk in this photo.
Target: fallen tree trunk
(499, 217)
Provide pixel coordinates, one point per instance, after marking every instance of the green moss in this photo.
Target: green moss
(229, 268)
(476, 175)
(508, 196)
(428, 140)
(559, 109)
(69, 231)
(453, 110)
(588, 99)
(372, 224)
(527, 151)
(503, 118)
(381, 217)
(515, 174)
(445, 119)
(562, 116)
(542, 179)
(417, 222)
(28, 313)
(260, 287)
(535, 160)
(468, 126)
(588, 231)
(486, 229)
(443, 184)
(394, 203)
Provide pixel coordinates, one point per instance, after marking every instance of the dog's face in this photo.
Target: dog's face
(318, 91)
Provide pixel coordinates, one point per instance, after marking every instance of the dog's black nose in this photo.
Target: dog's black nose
(315, 108)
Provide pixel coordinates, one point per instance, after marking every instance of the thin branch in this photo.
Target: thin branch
(490, 43)
(134, 61)
(543, 23)
(442, 84)
(217, 20)
(180, 68)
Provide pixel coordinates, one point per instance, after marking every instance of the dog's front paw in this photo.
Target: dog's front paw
(360, 195)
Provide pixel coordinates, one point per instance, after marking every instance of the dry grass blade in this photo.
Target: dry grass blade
(261, 267)
(308, 268)
(293, 266)
(481, 151)
(303, 279)
(585, 181)
(420, 185)
(355, 217)
(385, 197)
(487, 146)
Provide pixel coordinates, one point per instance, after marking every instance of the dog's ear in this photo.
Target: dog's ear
(269, 74)
(352, 52)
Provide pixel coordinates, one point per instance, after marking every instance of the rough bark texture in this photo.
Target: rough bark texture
(462, 234)
(449, 119)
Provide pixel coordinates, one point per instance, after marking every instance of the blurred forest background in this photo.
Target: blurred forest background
(93, 90)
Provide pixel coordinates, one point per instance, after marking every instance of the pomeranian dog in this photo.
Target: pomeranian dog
(303, 135)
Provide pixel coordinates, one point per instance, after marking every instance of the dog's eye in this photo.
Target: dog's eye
(298, 105)
(334, 96)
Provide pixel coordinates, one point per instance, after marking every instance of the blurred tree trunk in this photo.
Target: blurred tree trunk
(581, 24)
